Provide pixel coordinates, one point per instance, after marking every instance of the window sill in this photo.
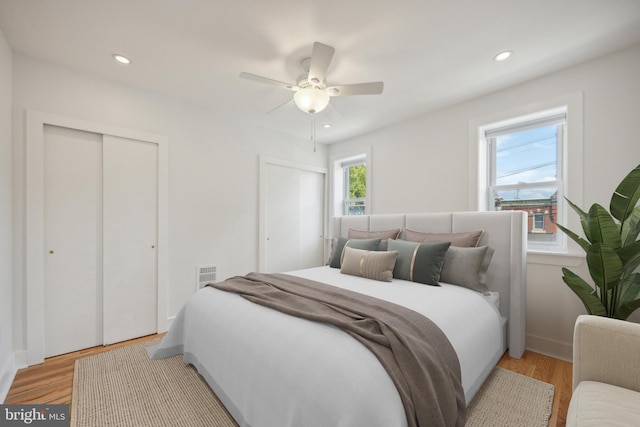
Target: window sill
(563, 259)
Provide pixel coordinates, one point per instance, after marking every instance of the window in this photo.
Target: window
(355, 188)
(538, 222)
(350, 185)
(524, 165)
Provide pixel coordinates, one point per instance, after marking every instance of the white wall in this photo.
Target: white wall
(213, 169)
(422, 165)
(6, 207)
(418, 165)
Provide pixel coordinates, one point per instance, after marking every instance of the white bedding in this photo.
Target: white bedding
(271, 369)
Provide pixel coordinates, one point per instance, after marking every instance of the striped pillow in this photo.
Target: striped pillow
(419, 262)
(374, 265)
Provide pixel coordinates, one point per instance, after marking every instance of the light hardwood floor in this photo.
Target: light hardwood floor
(52, 381)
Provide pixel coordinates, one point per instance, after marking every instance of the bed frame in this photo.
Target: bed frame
(504, 231)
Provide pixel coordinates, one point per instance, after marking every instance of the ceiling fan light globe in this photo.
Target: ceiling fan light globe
(311, 100)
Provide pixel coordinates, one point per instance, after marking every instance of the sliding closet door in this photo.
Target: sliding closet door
(311, 249)
(72, 240)
(130, 238)
(293, 211)
(282, 219)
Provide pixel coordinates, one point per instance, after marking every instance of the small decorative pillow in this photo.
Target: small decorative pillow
(467, 239)
(419, 262)
(336, 255)
(374, 265)
(467, 267)
(383, 235)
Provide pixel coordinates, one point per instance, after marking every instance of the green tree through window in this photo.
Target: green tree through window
(358, 182)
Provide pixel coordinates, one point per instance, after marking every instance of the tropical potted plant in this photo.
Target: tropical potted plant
(613, 252)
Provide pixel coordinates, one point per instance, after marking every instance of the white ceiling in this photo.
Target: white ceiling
(429, 53)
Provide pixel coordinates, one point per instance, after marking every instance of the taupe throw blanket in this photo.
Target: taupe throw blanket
(415, 352)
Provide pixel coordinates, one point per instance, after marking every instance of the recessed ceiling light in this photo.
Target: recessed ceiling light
(121, 59)
(502, 56)
(326, 125)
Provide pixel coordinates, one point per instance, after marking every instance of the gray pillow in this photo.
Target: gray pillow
(463, 239)
(374, 265)
(467, 267)
(419, 262)
(366, 244)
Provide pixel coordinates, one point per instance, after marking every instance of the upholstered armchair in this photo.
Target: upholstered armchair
(606, 373)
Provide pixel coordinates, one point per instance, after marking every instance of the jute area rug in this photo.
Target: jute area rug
(124, 388)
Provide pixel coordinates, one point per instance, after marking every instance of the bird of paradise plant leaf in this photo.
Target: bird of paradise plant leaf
(612, 252)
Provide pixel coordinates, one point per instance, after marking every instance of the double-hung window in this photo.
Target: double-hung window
(351, 178)
(355, 187)
(524, 165)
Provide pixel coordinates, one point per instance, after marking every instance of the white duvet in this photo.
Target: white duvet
(274, 370)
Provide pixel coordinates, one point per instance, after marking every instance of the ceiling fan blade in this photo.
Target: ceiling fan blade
(373, 88)
(280, 106)
(272, 82)
(333, 108)
(320, 60)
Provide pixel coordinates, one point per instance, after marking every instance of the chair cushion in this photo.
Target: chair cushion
(596, 404)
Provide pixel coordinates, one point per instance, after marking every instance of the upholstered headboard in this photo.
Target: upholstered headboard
(504, 231)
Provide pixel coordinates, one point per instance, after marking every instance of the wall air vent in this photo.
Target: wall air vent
(206, 274)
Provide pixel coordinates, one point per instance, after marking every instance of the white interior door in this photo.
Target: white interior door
(130, 238)
(312, 211)
(293, 218)
(72, 239)
(282, 219)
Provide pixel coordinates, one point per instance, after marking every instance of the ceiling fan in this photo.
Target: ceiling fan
(312, 93)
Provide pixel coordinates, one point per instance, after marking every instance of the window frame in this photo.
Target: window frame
(528, 103)
(518, 124)
(346, 186)
(534, 221)
(572, 166)
(338, 160)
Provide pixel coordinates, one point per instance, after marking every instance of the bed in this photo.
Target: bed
(272, 369)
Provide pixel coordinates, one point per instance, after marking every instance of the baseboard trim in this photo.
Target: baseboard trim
(549, 347)
(7, 374)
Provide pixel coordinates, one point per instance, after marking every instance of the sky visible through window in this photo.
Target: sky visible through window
(527, 157)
